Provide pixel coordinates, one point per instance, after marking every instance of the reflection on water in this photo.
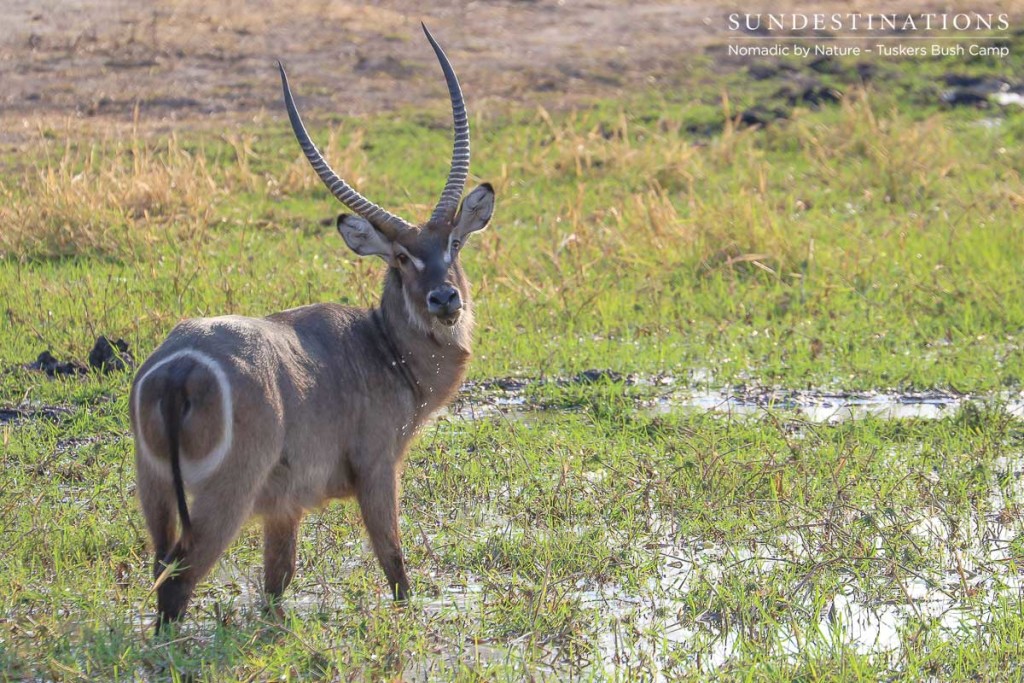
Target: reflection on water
(687, 615)
(661, 395)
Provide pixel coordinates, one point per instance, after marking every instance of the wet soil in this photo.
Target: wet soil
(525, 398)
(52, 413)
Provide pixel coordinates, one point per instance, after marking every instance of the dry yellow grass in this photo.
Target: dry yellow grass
(101, 197)
(108, 195)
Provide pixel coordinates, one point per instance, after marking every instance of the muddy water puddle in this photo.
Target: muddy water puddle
(879, 615)
(678, 612)
(659, 395)
(687, 609)
(826, 407)
(674, 614)
(524, 399)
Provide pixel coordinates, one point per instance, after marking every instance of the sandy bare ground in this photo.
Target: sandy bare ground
(195, 62)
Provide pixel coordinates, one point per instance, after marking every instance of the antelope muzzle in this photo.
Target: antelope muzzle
(445, 304)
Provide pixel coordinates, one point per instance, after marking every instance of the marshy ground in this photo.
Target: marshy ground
(747, 396)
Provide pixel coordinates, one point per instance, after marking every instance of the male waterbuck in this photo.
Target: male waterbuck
(274, 416)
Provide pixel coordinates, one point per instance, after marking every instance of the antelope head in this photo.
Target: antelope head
(424, 259)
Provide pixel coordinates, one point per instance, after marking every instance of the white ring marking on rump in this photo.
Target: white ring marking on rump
(193, 473)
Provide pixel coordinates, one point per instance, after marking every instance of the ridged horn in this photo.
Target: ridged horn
(388, 223)
(448, 204)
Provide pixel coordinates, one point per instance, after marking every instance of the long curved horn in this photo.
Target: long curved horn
(388, 223)
(452, 193)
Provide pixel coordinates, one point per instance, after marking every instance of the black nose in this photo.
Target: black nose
(444, 300)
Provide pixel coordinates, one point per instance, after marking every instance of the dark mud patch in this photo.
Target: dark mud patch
(980, 91)
(594, 376)
(759, 115)
(807, 90)
(774, 87)
(21, 414)
(105, 357)
(47, 363)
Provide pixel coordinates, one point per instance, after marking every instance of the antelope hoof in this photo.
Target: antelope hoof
(272, 609)
(172, 599)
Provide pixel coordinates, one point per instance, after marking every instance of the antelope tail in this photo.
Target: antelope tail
(174, 406)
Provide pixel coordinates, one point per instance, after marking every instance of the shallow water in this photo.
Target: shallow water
(829, 407)
(956, 598)
(662, 394)
(873, 615)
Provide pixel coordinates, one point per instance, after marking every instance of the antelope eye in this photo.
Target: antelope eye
(402, 258)
(455, 245)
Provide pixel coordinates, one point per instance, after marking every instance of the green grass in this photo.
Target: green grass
(871, 244)
(592, 544)
(855, 247)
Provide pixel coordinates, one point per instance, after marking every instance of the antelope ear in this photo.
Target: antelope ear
(475, 212)
(362, 238)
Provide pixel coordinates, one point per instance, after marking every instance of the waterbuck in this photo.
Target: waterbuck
(274, 416)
